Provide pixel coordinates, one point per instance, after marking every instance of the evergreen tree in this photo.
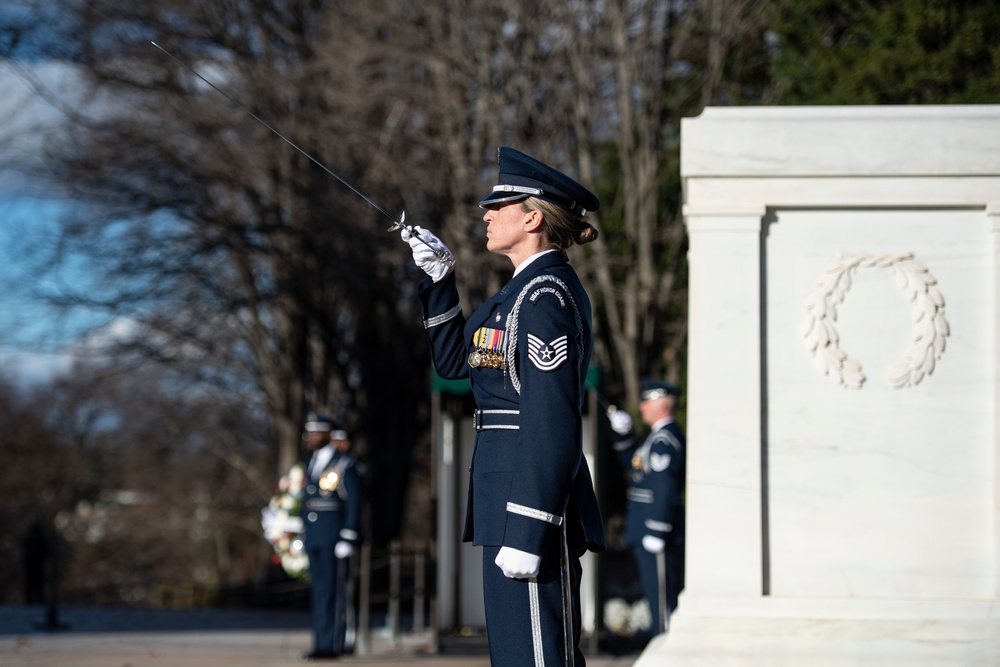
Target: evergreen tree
(886, 51)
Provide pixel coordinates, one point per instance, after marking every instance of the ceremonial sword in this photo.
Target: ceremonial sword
(397, 223)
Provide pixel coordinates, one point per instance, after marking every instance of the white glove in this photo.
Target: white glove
(427, 253)
(653, 544)
(621, 422)
(343, 549)
(517, 564)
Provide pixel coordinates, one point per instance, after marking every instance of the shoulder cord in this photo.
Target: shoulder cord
(511, 356)
(342, 465)
(662, 434)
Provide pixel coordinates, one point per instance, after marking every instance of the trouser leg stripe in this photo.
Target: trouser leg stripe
(569, 645)
(536, 623)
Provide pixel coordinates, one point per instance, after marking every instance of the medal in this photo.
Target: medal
(489, 348)
(637, 468)
(328, 482)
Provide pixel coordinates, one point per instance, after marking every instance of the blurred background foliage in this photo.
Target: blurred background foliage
(238, 286)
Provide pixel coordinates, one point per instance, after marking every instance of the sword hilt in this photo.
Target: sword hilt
(401, 224)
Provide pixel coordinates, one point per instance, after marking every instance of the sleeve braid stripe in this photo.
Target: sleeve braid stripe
(441, 319)
(533, 513)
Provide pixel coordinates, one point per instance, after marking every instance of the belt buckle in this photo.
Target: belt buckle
(477, 419)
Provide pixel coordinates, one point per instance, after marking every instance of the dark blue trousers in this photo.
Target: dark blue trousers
(524, 617)
(328, 576)
(652, 586)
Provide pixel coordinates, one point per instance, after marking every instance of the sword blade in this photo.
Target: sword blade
(398, 223)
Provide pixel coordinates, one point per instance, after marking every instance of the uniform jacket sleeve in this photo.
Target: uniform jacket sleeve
(624, 446)
(444, 322)
(351, 497)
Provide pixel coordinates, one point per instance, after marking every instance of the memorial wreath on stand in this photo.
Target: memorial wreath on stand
(283, 526)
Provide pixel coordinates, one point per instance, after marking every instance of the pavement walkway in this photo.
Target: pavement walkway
(98, 637)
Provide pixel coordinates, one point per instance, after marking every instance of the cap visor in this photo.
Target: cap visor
(499, 197)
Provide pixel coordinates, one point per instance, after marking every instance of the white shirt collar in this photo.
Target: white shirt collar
(320, 459)
(661, 423)
(531, 259)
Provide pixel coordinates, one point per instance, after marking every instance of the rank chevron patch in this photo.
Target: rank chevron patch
(548, 356)
(659, 462)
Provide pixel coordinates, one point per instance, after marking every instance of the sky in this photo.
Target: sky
(34, 337)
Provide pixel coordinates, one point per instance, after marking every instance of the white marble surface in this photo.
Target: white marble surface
(730, 641)
(880, 492)
(952, 140)
(724, 546)
(827, 524)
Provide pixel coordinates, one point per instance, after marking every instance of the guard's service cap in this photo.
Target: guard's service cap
(652, 389)
(317, 423)
(523, 176)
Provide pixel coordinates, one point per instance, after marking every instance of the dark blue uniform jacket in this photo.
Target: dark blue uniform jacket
(656, 484)
(528, 474)
(332, 515)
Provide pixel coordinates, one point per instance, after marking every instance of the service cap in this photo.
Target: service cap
(317, 423)
(652, 389)
(523, 176)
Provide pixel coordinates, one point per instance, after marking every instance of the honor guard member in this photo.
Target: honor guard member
(330, 516)
(655, 510)
(531, 503)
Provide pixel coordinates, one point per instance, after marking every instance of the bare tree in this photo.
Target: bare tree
(223, 238)
(597, 89)
(152, 483)
(241, 257)
(639, 67)
(29, 486)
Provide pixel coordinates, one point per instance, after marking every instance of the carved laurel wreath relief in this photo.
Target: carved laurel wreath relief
(930, 328)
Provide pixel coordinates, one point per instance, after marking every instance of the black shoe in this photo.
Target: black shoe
(318, 655)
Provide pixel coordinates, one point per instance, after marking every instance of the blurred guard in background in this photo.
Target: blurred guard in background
(330, 516)
(655, 509)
